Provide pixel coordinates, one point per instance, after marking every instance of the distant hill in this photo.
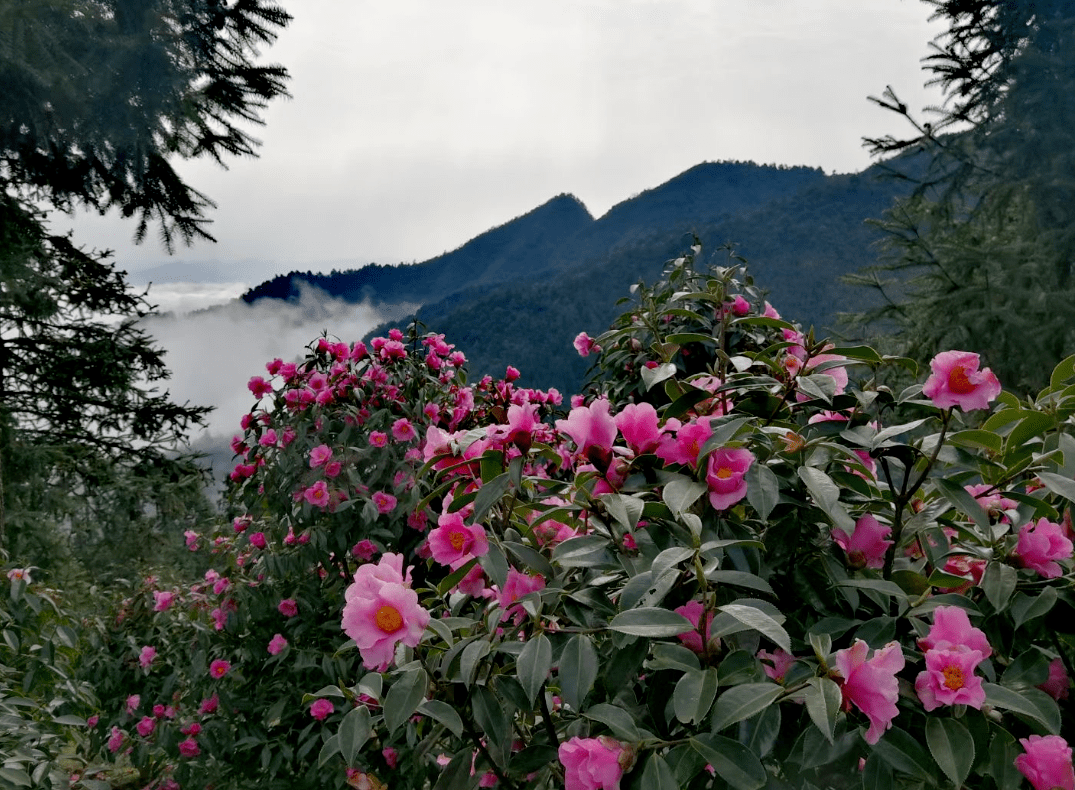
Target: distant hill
(519, 293)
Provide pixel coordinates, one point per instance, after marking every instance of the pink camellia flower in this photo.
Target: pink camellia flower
(115, 740)
(322, 708)
(871, 685)
(866, 546)
(585, 345)
(776, 664)
(739, 307)
(259, 387)
(288, 607)
(949, 678)
(726, 476)
(382, 610)
(952, 630)
(1046, 762)
(591, 428)
(146, 726)
(385, 502)
(219, 668)
(1058, 682)
(257, 540)
(516, 586)
(209, 705)
(333, 469)
(364, 549)
(91, 722)
(189, 748)
(956, 381)
(1041, 545)
(19, 574)
(317, 494)
(639, 426)
(591, 763)
(454, 543)
(146, 657)
(995, 504)
(162, 600)
(391, 756)
(692, 610)
(133, 702)
(320, 455)
(403, 430)
(684, 447)
(191, 729)
(378, 439)
(277, 644)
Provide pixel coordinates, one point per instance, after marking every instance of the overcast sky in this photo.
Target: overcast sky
(417, 124)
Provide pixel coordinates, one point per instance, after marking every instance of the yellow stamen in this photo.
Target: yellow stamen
(388, 619)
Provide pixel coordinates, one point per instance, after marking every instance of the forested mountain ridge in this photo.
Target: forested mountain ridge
(519, 293)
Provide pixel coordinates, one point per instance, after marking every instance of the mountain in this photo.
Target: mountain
(519, 293)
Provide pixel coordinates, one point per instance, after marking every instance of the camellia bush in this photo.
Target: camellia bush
(738, 561)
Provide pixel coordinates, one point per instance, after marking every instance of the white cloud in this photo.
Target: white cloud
(214, 353)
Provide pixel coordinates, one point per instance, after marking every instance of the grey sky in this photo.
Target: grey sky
(415, 125)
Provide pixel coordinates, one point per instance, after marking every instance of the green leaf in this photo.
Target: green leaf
(741, 579)
(533, 664)
(823, 699)
(733, 762)
(742, 702)
(472, 654)
(1064, 371)
(1032, 424)
(1058, 484)
(653, 376)
(694, 694)
(1031, 702)
(1027, 607)
(680, 493)
(355, 730)
(616, 719)
(962, 501)
(657, 775)
(1003, 750)
(329, 749)
(442, 713)
(826, 495)
(651, 621)
(488, 495)
(759, 621)
(669, 656)
(404, 697)
(763, 489)
(457, 774)
(625, 510)
(905, 754)
(952, 747)
(578, 670)
(977, 439)
(585, 551)
(876, 774)
(530, 558)
(998, 584)
(16, 776)
(491, 717)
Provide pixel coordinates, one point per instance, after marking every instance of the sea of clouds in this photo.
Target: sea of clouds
(215, 342)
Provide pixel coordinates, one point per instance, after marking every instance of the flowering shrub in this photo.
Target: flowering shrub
(737, 561)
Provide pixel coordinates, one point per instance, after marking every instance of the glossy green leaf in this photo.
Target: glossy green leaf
(759, 621)
(680, 493)
(742, 702)
(534, 560)
(1028, 607)
(488, 495)
(826, 496)
(905, 754)
(823, 699)
(733, 762)
(491, 716)
(403, 698)
(763, 489)
(329, 749)
(694, 694)
(616, 719)
(657, 775)
(1003, 749)
(1030, 702)
(952, 747)
(442, 713)
(355, 730)
(1058, 484)
(998, 584)
(533, 664)
(651, 621)
(578, 670)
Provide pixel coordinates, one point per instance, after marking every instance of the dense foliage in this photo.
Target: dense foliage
(737, 562)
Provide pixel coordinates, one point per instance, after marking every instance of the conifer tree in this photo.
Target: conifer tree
(981, 255)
